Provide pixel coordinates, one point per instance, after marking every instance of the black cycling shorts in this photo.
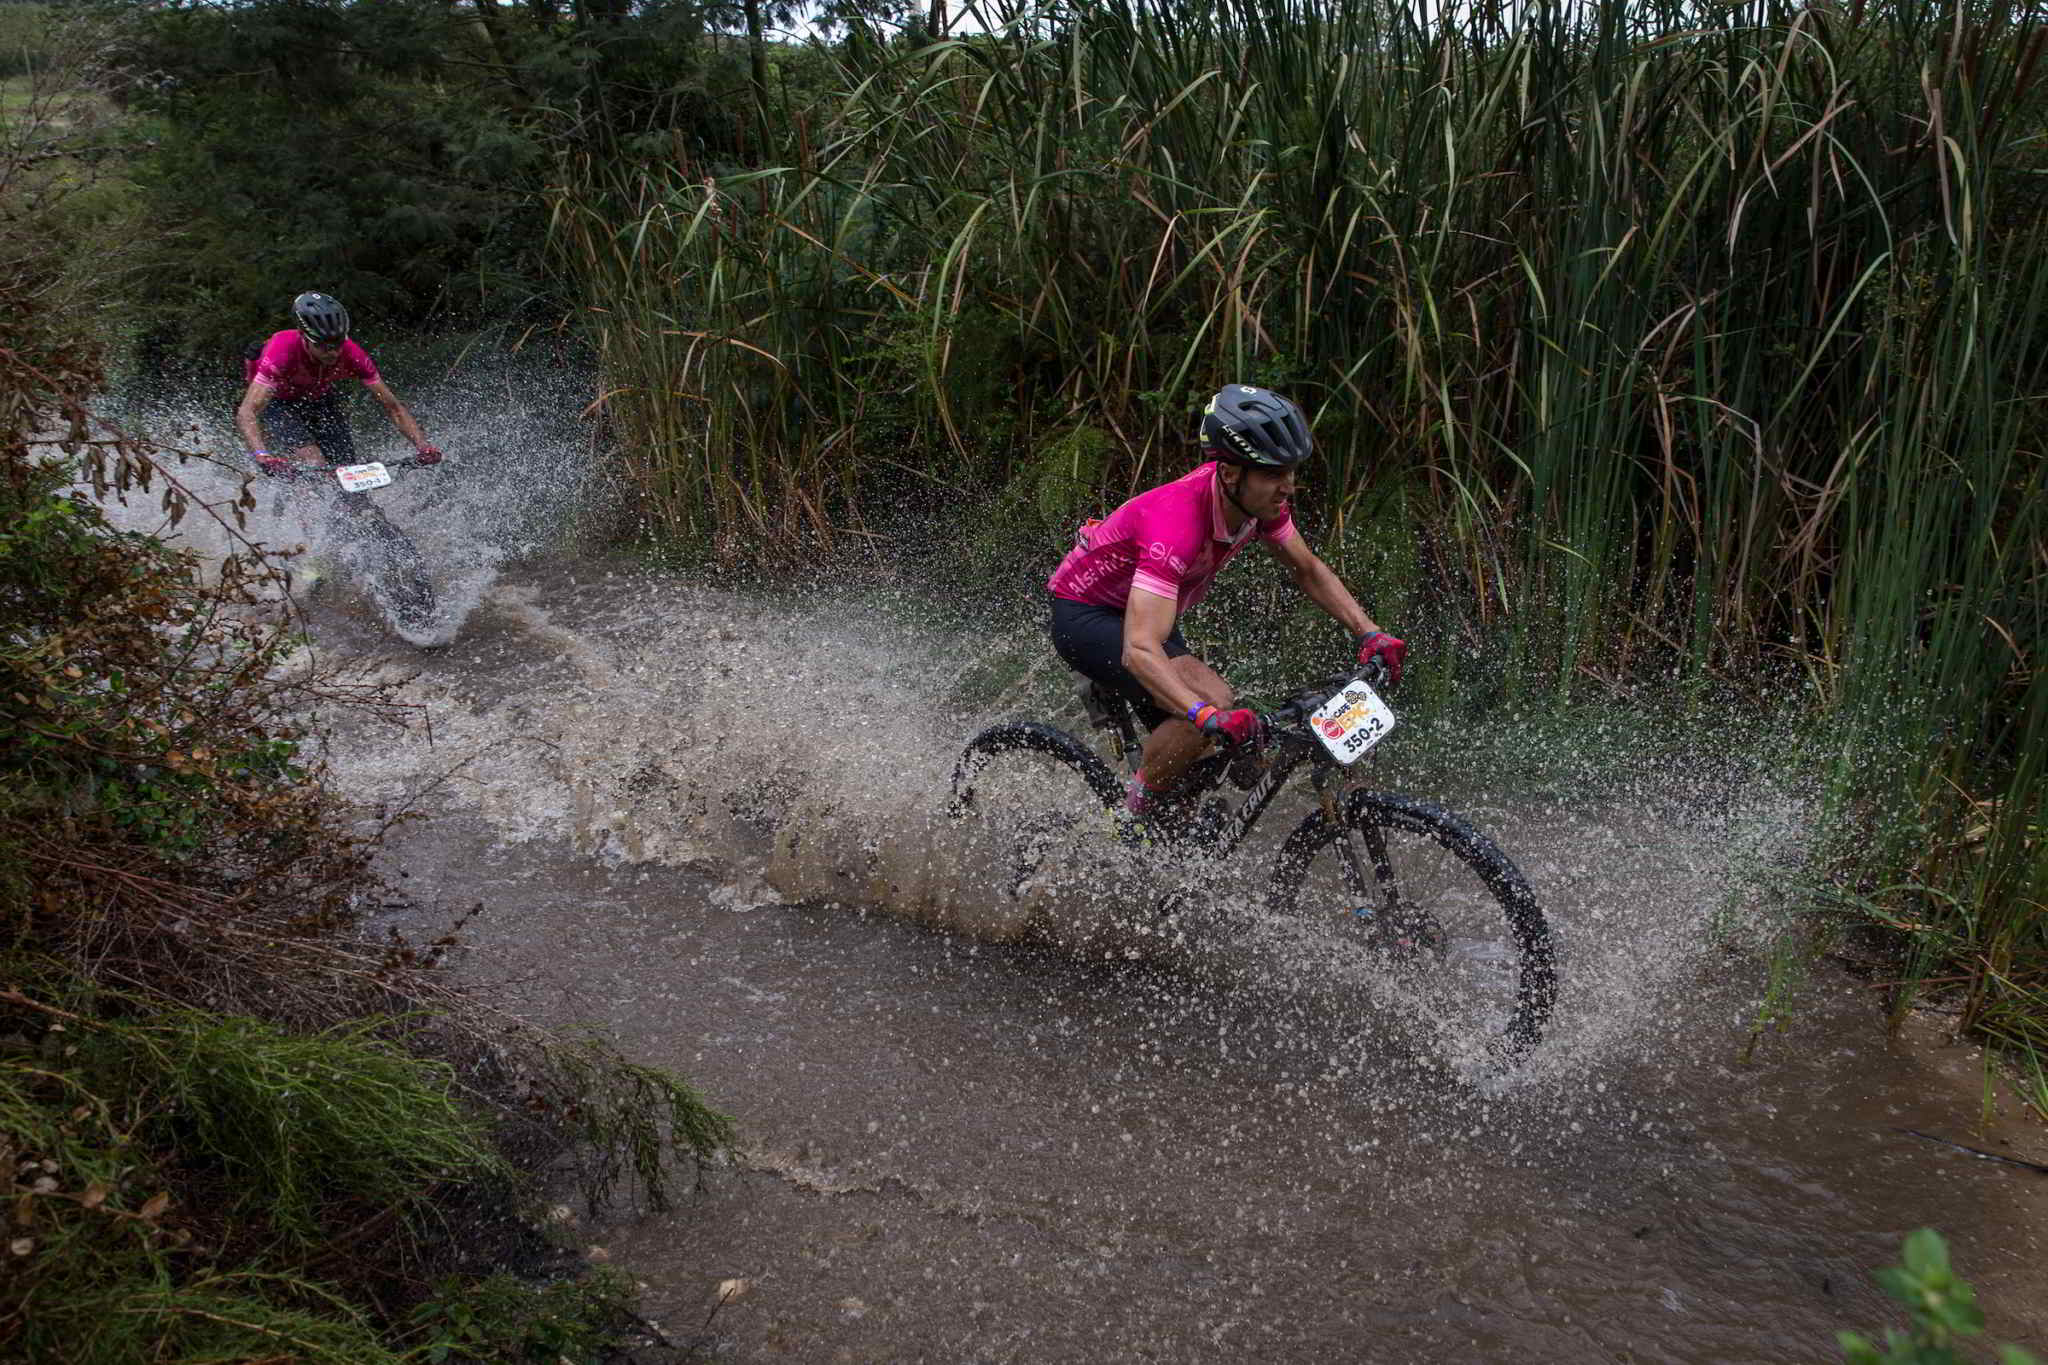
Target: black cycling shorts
(1091, 640)
(294, 422)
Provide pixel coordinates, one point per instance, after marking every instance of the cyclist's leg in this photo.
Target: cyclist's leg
(1175, 744)
(287, 423)
(293, 425)
(322, 438)
(1091, 641)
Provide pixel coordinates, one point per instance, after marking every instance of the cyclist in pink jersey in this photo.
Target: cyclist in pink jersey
(1118, 596)
(292, 392)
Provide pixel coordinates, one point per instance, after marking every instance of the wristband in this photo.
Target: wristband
(1369, 636)
(258, 454)
(1196, 713)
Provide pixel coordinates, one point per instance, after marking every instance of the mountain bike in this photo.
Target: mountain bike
(383, 556)
(1413, 884)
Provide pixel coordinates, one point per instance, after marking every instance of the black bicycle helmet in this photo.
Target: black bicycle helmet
(320, 317)
(1255, 427)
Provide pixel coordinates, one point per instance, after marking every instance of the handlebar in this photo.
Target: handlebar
(1304, 703)
(303, 473)
(300, 471)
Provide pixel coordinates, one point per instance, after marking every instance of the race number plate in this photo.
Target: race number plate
(361, 478)
(1351, 722)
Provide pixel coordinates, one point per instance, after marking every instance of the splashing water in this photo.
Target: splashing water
(1235, 1123)
(804, 750)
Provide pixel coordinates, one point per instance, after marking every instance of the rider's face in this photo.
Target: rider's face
(1264, 493)
(322, 350)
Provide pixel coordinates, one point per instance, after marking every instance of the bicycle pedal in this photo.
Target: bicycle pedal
(1132, 831)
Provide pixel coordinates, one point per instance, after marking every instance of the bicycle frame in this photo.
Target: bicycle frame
(382, 556)
(1289, 751)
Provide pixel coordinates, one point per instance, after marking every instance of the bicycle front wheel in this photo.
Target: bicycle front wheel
(396, 572)
(1427, 894)
(1041, 794)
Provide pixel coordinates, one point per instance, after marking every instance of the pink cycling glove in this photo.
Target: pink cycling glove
(273, 465)
(1235, 728)
(430, 453)
(1384, 647)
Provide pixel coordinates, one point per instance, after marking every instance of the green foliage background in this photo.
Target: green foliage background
(392, 154)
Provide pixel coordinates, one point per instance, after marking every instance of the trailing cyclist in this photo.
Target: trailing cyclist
(292, 391)
(292, 380)
(1118, 596)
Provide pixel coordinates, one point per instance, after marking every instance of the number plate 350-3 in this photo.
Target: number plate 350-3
(361, 478)
(1351, 722)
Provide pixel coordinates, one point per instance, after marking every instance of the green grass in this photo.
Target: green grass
(136, 1136)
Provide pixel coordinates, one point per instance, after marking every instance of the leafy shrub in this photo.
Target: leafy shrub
(1943, 1308)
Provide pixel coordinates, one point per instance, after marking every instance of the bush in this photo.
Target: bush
(25, 41)
(1943, 1309)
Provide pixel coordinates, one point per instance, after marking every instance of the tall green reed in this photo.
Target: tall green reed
(1690, 342)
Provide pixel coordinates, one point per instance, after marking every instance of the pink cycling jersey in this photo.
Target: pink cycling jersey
(1169, 541)
(289, 368)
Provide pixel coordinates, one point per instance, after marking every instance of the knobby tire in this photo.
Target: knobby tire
(1366, 813)
(1039, 832)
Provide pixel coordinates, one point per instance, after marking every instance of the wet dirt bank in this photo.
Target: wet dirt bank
(963, 1148)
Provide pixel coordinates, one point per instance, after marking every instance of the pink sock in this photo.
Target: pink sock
(1137, 796)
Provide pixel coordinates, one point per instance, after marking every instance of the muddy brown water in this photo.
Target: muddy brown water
(966, 1143)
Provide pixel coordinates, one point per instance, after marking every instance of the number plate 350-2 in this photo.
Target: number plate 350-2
(1351, 722)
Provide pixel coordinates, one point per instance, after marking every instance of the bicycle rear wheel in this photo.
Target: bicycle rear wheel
(1421, 889)
(1041, 794)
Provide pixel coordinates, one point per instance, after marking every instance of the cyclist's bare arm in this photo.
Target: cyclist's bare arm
(1148, 620)
(397, 412)
(1323, 587)
(249, 421)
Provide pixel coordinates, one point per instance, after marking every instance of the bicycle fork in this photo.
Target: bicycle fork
(1378, 908)
(1354, 872)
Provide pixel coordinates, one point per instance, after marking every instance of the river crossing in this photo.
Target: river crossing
(963, 1145)
(705, 819)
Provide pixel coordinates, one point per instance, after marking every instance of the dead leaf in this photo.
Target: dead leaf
(154, 1208)
(730, 1290)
